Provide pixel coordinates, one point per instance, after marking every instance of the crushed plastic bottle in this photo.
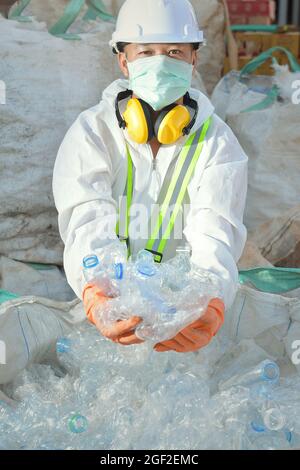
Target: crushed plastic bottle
(272, 417)
(263, 438)
(267, 372)
(175, 270)
(166, 307)
(106, 268)
(268, 425)
(66, 357)
(149, 280)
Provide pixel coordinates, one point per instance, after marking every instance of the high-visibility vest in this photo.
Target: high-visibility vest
(175, 193)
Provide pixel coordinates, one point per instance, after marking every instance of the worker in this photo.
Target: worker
(152, 134)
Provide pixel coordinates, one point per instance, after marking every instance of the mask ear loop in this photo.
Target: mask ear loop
(188, 101)
(122, 96)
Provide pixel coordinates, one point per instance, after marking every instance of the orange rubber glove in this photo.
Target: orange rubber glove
(122, 331)
(199, 334)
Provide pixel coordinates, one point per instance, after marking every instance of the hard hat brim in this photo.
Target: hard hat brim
(154, 39)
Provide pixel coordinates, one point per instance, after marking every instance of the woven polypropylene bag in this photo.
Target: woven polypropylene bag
(271, 139)
(49, 81)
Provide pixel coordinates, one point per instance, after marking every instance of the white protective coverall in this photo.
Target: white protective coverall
(90, 175)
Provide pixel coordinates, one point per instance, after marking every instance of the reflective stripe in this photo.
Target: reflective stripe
(180, 180)
(172, 193)
(122, 229)
(175, 193)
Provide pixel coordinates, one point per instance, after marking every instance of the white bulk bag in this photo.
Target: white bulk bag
(41, 280)
(30, 327)
(268, 130)
(49, 82)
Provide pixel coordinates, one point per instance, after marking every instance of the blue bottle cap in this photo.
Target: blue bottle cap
(288, 435)
(63, 345)
(271, 372)
(119, 271)
(257, 427)
(78, 424)
(90, 261)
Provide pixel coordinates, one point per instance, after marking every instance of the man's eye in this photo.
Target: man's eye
(175, 52)
(145, 53)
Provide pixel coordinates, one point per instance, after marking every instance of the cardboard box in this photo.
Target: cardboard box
(244, 19)
(252, 43)
(266, 20)
(290, 41)
(265, 69)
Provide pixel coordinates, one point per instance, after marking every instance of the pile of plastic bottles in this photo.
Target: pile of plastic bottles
(168, 296)
(97, 394)
(100, 395)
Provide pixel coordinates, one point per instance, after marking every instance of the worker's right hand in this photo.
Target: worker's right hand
(121, 332)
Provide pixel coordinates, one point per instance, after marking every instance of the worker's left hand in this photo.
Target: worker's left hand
(199, 334)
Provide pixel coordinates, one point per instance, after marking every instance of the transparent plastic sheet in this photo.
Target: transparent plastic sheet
(104, 396)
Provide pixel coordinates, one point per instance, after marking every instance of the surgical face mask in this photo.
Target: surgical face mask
(159, 80)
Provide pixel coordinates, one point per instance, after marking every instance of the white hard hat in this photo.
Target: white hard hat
(157, 21)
